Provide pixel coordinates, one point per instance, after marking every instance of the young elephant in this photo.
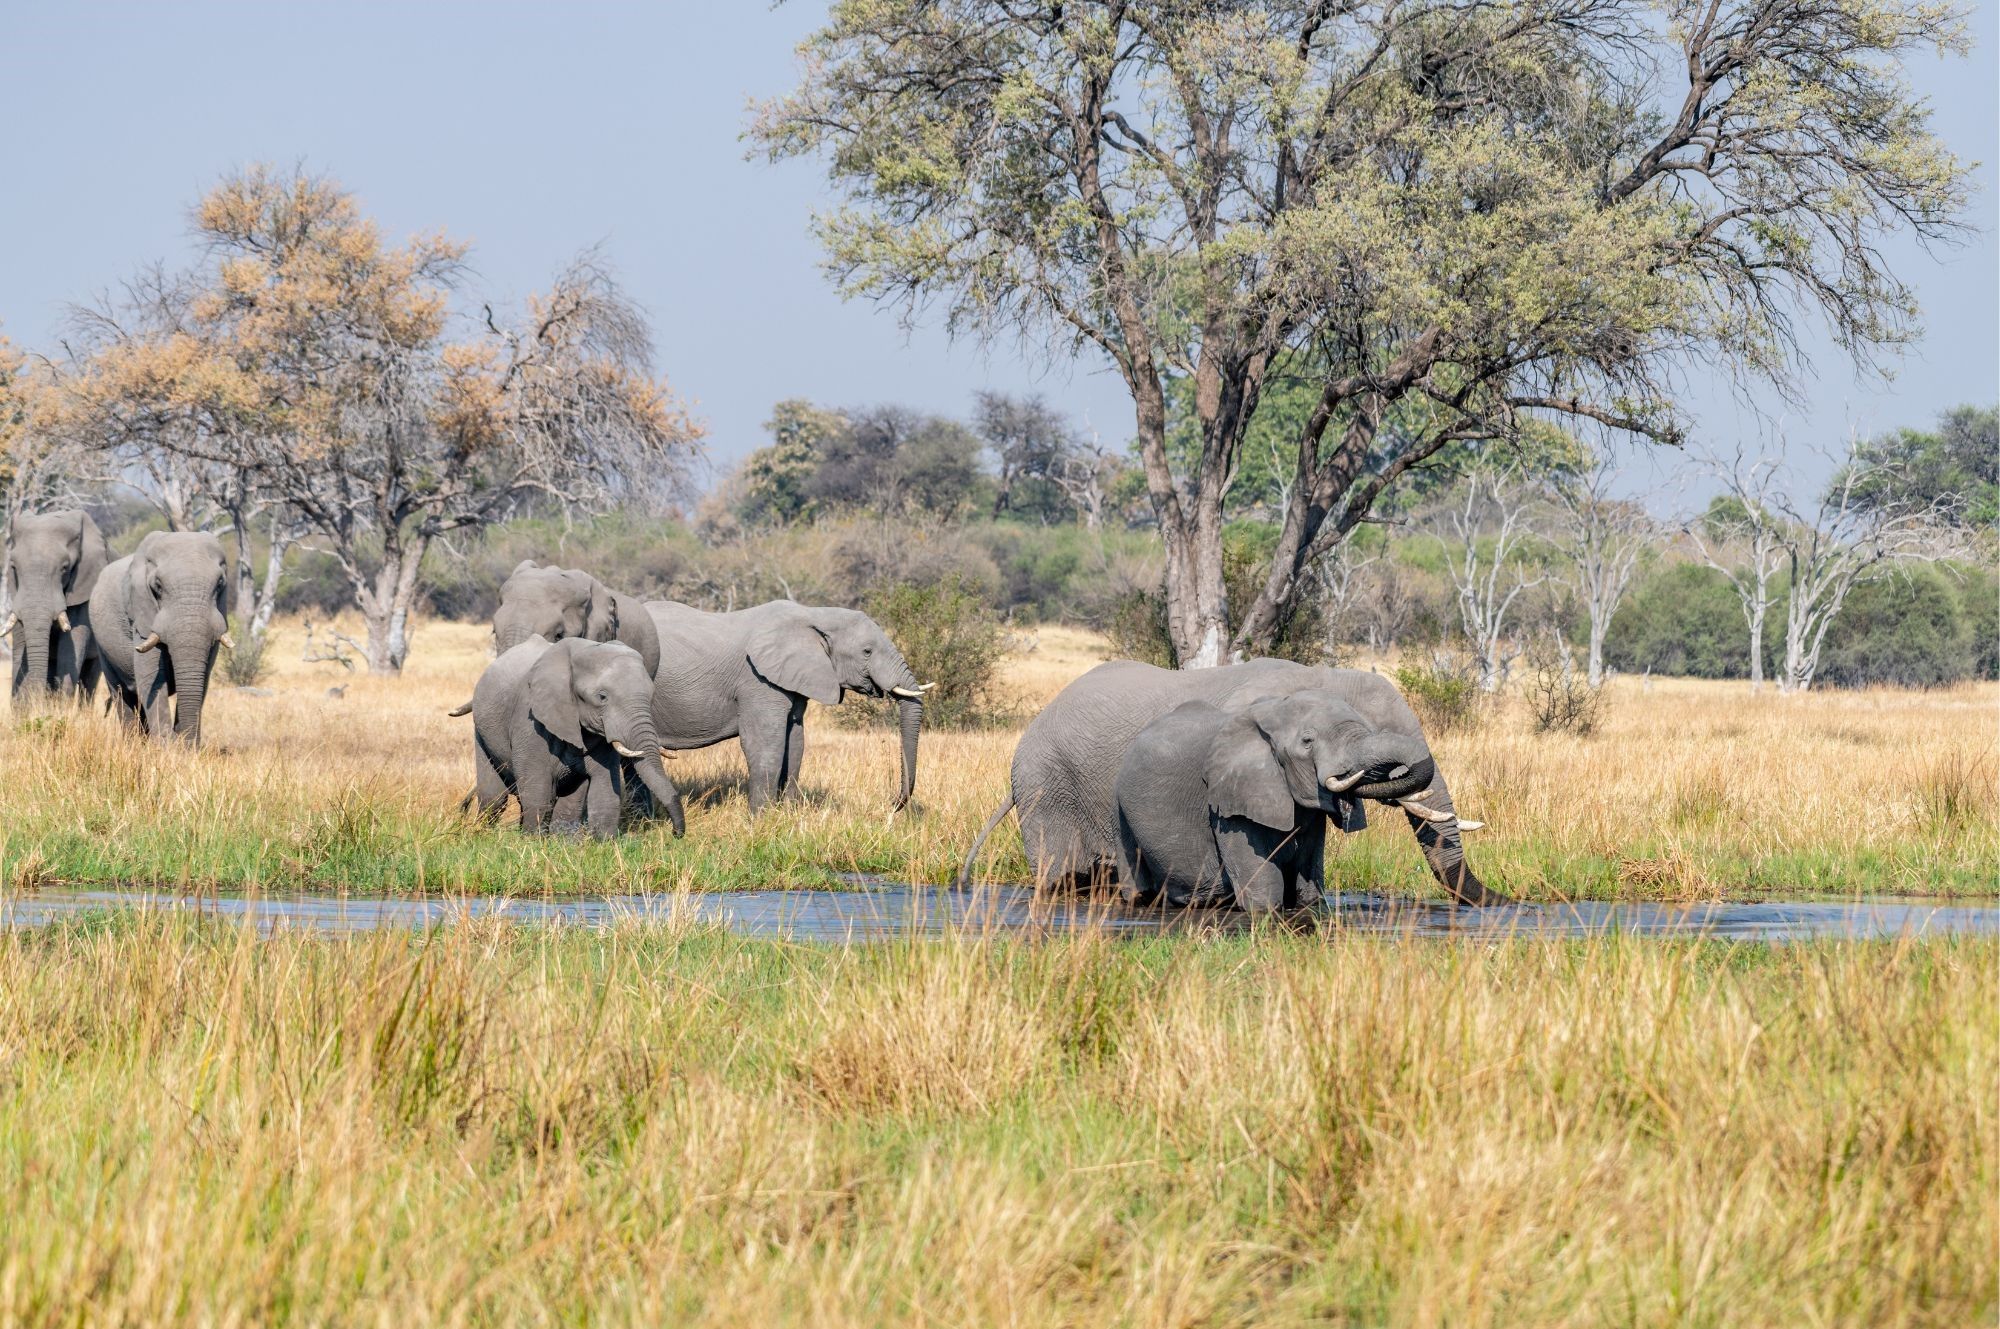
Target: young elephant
(556, 724)
(1219, 807)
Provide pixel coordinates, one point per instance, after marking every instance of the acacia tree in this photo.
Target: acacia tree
(1448, 214)
(40, 466)
(321, 366)
(1602, 537)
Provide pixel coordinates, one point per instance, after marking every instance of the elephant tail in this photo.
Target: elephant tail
(464, 708)
(465, 804)
(972, 856)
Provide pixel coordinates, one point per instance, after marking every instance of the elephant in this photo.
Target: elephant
(556, 603)
(748, 673)
(554, 724)
(158, 614)
(1220, 807)
(1067, 762)
(53, 563)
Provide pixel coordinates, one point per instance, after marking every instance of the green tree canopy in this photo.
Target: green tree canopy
(1487, 211)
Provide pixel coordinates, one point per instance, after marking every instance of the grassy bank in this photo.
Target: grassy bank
(670, 1125)
(1691, 790)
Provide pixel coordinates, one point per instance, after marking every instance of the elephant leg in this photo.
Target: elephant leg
(69, 664)
(603, 790)
(90, 670)
(535, 788)
(1251, 865)
(795, 748)
(764, 738)
(489, 786)
(1137, 886)
(1306, 872)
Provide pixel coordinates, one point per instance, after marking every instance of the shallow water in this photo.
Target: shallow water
(875, 910)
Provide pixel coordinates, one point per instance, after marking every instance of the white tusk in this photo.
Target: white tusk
(914, 694)
(1341, 784)
(1431, 815)
(624, 751)
(1465, 825)
(8, 626)
(227, 641)
(152, 640)
(62, 619)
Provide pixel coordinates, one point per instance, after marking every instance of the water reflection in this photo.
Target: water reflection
(875, 910)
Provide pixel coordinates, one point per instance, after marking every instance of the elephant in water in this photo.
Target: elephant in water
(556, 724)
(748, 674)
(53, 562)
(1220, 807)
(158, 615)
(1066, 764)
(557, 603)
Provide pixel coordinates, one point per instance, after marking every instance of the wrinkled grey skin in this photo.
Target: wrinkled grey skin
(557, 603)
(52, 566)
(158, 615)
(547, 717)
(1220, 807)
(748, 674)
(1068, 760)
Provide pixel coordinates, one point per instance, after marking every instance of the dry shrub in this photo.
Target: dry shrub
(1444, 691)
(1560, 700)
(1673, 877)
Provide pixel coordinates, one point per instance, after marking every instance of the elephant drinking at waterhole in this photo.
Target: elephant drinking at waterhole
(1067, 763)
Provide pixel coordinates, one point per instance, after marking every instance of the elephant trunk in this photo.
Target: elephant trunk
(37, 626)
(191, 665)
(1444, 852)
(652, 772)
(893, 677)
(911, 718)
(1398, 766)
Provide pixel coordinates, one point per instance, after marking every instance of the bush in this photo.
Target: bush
(1908, 629)
(1685, 619)
(1138, 629)
(245, 665)
(1444, 692)
(950, 637)
(1560, 699)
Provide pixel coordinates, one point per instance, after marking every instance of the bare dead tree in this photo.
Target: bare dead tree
(1336, 574)
(1487, 531)
(1603, 537)
(1740, 536)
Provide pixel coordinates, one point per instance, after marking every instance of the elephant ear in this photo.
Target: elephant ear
(600, 620)
(637, 630)
(91, 557)
(793, 655)
(552, 695)
(1244, 778)
(141, 606)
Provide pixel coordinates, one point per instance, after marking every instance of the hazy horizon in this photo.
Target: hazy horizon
(535, 132)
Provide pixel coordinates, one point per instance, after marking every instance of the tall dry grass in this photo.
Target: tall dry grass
(1688, 790)
(668, 1125)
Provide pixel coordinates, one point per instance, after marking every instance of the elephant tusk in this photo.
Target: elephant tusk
(1465, 825)
(912, 694)
(152, 640)
(624, 751)
(8, 626)
(227, 641)
(1429, 814)
(62, 619)
(1340, 784)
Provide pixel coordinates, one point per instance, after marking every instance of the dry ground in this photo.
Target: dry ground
(1690, 789)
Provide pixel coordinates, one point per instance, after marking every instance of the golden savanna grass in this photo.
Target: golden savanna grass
(1689, 790)
(664, 1124)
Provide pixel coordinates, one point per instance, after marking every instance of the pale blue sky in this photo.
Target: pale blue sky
(535, 130)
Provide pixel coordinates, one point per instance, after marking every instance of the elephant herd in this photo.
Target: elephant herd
(1209, 787)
